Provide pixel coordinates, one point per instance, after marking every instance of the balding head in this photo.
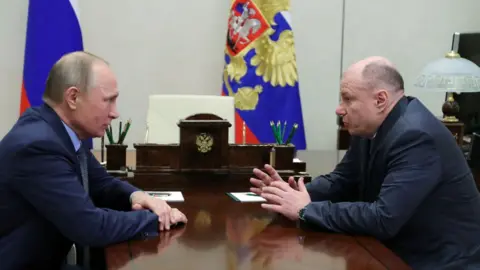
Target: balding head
(72, 70)
(376, 73)
(370, 88)
(381, 74)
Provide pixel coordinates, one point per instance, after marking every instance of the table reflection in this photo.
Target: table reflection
(259, 241)
(157, 245)
(274, 243)
(203, 233)
(234, 236)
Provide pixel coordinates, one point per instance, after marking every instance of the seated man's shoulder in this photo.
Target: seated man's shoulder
(420, 121)
(423, 135)
(30, 135)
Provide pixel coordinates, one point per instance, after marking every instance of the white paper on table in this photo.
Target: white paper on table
(246, 197)
(169, 196)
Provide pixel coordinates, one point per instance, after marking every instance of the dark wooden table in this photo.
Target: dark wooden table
(224, 234)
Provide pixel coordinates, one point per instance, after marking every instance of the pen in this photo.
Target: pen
(109, 134)
(292, 132)
(119, 132)
(279, 132)
(275, 132)
(160, 194)
(125, 131)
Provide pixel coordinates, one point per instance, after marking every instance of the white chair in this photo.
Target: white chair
(72, 256)
(165, 111)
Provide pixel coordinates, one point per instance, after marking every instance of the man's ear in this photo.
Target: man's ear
(71, 97)
(381, 98)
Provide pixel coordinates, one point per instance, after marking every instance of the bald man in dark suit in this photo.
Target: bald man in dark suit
(404, 180)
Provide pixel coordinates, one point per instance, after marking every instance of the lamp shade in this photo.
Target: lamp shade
(450, 74)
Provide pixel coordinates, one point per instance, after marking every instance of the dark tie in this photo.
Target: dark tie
(82, 158)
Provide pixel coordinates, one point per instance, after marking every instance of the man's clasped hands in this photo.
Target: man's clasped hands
(286, 198)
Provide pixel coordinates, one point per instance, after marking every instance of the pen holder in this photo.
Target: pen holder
(284, 155)
(116, 156)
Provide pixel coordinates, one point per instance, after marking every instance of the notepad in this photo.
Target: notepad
(169, 196)
(245, 197)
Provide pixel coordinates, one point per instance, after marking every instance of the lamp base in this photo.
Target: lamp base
(450, 109)
(450, 119)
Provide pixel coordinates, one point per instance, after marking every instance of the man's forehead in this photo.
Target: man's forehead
(347, 85)
(352, 88)
(105, 91)
(345, 91)
(110, 92)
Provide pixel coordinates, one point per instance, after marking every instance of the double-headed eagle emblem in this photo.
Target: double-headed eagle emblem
(204, 142)
(250, 28)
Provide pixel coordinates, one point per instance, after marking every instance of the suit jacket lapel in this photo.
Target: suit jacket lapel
(384, 129)
(51, 117)
(365, 147)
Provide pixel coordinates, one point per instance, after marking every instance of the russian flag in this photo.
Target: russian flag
(260, 72)
(53, 29)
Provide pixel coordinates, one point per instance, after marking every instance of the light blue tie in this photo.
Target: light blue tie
(82, 157)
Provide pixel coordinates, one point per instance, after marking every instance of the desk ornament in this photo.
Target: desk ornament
(204, 157)
(204, 142)
(272, 157)
(117, 151)
(244, 133)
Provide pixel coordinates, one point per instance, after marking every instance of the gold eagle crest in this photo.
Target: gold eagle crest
(204, 142)
(275, 61)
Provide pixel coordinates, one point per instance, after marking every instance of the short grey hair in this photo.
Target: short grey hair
(380, 75)
(71, 70)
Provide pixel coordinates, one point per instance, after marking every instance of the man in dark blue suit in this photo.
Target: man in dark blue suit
(403, 180)
(53, 191)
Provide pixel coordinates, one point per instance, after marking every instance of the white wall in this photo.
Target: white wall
(158, 46)
(13, 24)
(410, 33)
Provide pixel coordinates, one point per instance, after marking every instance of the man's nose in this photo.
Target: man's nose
(114, 113)
(340, 110)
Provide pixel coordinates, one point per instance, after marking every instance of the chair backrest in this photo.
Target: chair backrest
(165, 111)
(72, 256)
(474, 154)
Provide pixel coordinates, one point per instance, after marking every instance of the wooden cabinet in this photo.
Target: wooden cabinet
(457, 129)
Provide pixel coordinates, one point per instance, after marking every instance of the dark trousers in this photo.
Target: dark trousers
(71, 267)
(97, 259)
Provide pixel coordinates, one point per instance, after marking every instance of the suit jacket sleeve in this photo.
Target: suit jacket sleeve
(46, 178)
(414, 169)
(106, 190)
(342, 183)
